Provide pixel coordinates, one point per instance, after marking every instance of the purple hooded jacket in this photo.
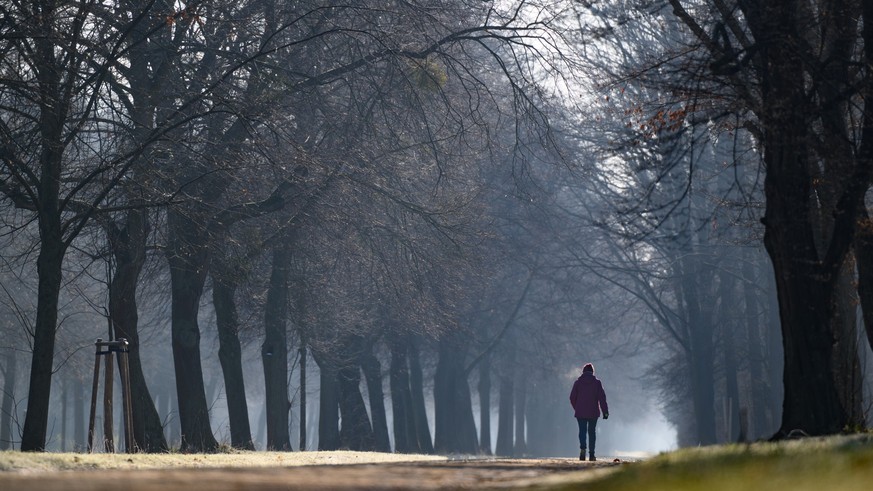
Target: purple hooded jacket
(587, 395)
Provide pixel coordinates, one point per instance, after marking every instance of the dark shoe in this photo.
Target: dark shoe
(582, 454)
(591, 458)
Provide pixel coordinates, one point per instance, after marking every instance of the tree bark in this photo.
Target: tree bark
(188, 257)
(804, 283)
(42, 365)
(274, 352)
(328, 412)
(356, 433)
(373, 372)
(759, 393)
(230, 357)
(863, 247)
(129, 250)
(419, 411)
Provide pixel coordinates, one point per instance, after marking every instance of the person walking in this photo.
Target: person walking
(588, 398)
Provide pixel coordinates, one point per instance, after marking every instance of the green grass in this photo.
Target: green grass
(816, 464)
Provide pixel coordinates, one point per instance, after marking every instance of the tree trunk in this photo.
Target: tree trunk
(274, 352)
(230, 357)
(302, 351)
(42, 365)
(455, 428)
(485, 405)
(328, 411)
(863, 247)
(419, 411)
(405, 440)
(129, 250)
(804, 280)
(6, 408)
(188, 257)
(355, 432)
(847, 363)
(520, 448)
(701, 353)
(65, 397)
(373, 372)
(728, 321)
(81, 442)
(759, 393)
(505, 417)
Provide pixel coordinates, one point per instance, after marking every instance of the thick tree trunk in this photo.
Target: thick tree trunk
(129, 249)
(485, 405)
(804, 278)
(42, 364)
(373, 372)
(356, 433)
(328, 410)
(188, 258)
(455, 427)
(274, 352)
(230, 357)
(419, 411)
(505, 417)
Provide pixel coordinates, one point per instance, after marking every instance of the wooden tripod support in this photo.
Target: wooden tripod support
(121, 347)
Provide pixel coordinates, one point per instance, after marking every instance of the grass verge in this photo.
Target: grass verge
(810, 464)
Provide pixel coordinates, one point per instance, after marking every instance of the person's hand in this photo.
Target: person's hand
(605, 415)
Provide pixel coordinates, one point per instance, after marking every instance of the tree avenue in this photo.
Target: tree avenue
(406, 220)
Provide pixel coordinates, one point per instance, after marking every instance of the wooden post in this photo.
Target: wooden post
(121, 347)
(108, 427)
(94, 387)
(124, 371)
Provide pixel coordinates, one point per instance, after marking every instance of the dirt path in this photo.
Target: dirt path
(465, 474)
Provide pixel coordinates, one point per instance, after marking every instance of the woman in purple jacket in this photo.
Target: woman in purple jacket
(587, 399)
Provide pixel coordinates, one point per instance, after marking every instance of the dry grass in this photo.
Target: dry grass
(42, 462)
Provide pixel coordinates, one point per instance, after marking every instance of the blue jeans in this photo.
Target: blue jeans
(587, 425)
